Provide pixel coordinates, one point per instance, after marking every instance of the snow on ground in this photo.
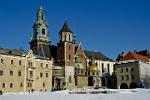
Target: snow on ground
(79, 94)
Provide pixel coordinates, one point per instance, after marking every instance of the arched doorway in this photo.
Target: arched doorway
(123, 86)
(109, 83)
(57, 84)
(133, 86)
(90, 81)
(103, 81)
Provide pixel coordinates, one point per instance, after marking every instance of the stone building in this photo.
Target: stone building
(133, 69)
(22, 71)
(131, 73)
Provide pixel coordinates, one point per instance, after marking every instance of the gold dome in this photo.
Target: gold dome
(92, 68)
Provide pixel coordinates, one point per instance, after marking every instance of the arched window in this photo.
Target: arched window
(69, 79)
(69, 37)
(102, 67)
(108, 68)
(69, 57)
(43, 31)
(42, 16)
(12, 62)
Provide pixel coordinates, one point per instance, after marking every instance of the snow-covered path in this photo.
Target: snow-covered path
(64, 95)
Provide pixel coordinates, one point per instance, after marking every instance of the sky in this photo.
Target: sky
(108, 26)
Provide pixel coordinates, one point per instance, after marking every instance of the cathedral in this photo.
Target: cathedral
(73, 66)
(45, 67)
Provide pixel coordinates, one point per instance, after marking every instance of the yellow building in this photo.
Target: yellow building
(24, 72)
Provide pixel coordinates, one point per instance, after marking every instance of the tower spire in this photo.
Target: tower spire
(41, 4)
(41, 13)
(65, 27)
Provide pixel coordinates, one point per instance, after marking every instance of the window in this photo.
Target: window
(90, 63)
(29, 63)
(19, 73)
(29, 84)
(103, 68)
(69, 57)
(41, 64)
(11, 73)
(114, 68)
(93, 73)
(69, 37)
(81, 72)
(43, 31)
(102, 64)
(89, 73)
(132, 69)
(132, 77)
(127, 69)
(78, 72)
(97, 73)
(96, 63)
(43, 84)
(122, 78)
(69, 79)
(3, 85)
(42, 16)
(12, 62)
(46, 65)
(127, 77)
(1, 73)
(20, 62)
(11, 85)
(41, 74)
(46, 74)
(122, 70)
(31, 73)
(21, 84)
(2, 60)
(108, 66)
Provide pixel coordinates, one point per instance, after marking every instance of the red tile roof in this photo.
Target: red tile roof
(135, 56)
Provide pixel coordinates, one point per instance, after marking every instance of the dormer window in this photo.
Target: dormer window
(43, 31)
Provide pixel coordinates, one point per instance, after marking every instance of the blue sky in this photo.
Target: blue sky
(109, 26)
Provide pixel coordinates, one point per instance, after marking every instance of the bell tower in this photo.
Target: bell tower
(65, 46)
(66, 54)
(40, 41)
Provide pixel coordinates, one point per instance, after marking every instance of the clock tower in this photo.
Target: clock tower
(40, 41)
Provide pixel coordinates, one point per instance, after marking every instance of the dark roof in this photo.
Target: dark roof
(96, 55)
(43, 51)
(65, 28)
(15, 52)
(53, 49)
